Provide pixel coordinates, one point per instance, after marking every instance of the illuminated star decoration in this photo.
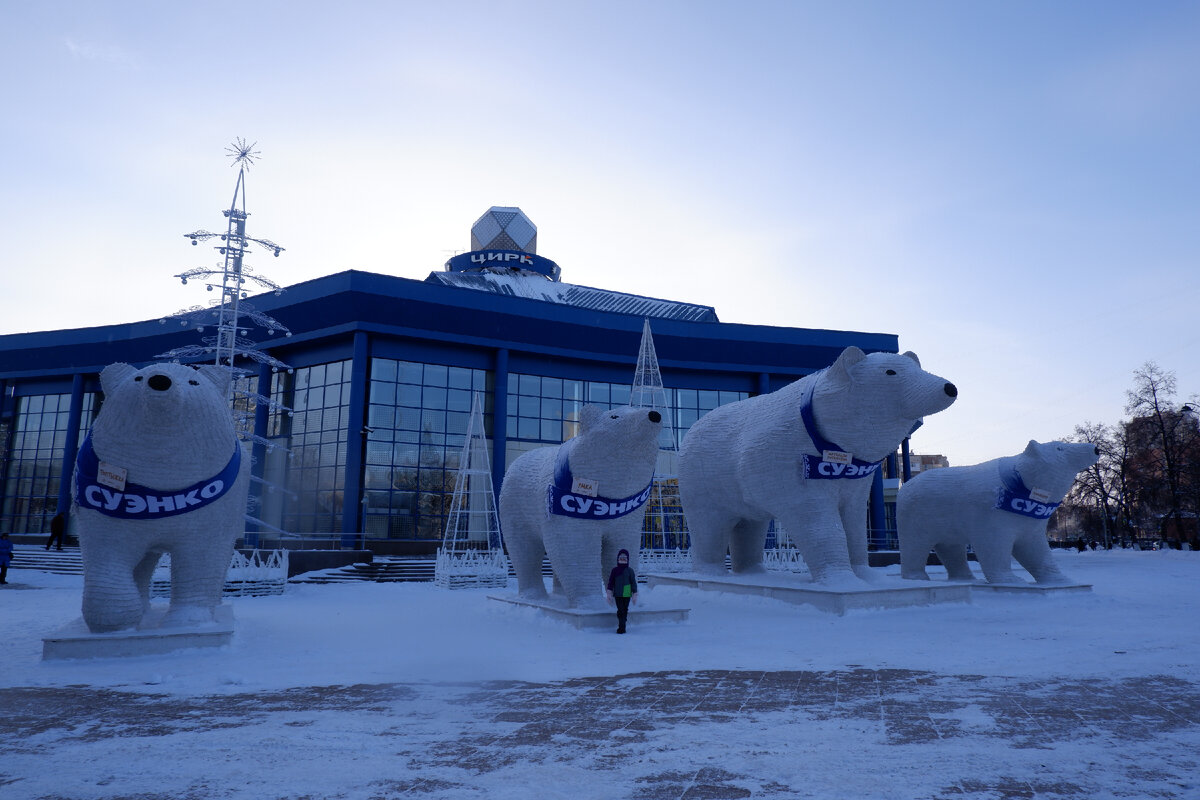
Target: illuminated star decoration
(242, 154)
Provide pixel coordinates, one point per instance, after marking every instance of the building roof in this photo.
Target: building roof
(536, 287)
(414, 319)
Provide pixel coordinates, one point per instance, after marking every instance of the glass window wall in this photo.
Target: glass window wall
(416, 425)
(545, 411)
(35, 454)
(417, 421)
(316, 429)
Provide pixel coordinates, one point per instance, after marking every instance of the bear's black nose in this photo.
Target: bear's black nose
(655, 416)
(159, 383)
(951, 390)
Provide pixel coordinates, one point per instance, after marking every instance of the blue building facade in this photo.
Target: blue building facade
(384, 372)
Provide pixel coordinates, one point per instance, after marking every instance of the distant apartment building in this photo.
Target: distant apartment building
(920, 463)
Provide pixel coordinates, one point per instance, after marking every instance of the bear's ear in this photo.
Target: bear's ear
(839, 371)
(588, 416)
(218, 375)
(913, 356)
(1031, 448)
(114, 374)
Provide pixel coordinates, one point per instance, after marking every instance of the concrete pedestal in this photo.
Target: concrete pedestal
(800, 590)
(1030, 588)
(938, 577)
(597, 617)
(152, 637)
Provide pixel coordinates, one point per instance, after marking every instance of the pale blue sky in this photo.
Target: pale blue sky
(1009, 187)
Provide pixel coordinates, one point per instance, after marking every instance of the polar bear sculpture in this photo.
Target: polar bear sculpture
(581, 502)
(804, 455)
(1000, 508)
(162, 470)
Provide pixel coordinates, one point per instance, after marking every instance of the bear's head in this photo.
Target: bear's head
(867, 404)
(1052, 466)
(168, 419)
(617, 448)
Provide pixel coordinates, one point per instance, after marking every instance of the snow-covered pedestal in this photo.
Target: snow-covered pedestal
(1030, 588)
(802, 591)
(556, 607)
(155, 635)
(938, 575)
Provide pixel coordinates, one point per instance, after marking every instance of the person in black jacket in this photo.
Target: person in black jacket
(58, 529)
(622, 588)
(6, 554)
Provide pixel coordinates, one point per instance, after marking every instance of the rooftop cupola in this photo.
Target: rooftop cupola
(504, 228)
(504, 240)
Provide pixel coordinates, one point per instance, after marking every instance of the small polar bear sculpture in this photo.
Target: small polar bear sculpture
(162, 471)
(999, 508)
(804, 455)
(580, 503)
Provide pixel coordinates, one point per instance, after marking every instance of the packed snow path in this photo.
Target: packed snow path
(373, 691)
(862, 733)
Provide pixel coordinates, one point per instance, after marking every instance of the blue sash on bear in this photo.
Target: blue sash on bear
(564, 501)
(142, 502)
(816, 467)
(1015, 497)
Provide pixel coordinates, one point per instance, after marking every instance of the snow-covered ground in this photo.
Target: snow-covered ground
(402, 690)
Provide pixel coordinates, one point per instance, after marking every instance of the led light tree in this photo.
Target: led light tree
(472, 553)
(664, 513)
(228, 318)
(647, 390)
(230, 315)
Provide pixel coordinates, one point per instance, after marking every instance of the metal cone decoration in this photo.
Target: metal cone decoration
(472, 551)
(664, 530)
(648, 391)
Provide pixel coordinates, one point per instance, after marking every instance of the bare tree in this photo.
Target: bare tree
(1190, 467)
(1158, 430)
(1100, 486)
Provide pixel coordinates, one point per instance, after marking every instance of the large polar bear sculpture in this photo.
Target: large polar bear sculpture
(804, 455)
(162, 471)
(1000, 508)
(580, 503)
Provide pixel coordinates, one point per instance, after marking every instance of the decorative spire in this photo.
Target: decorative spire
(243, 154)
(230, 315)
(472, 553)
(647, 390)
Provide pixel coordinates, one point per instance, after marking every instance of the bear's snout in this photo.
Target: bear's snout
(655, 416)
(159, 383)
(951, 390)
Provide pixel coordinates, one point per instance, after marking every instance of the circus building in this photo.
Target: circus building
(363, 441)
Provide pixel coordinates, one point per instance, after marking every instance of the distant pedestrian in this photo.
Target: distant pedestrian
(622, 588)
(58, 530)
(6, 554)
